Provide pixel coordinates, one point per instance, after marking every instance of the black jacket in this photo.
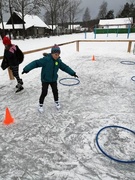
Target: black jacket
(12, 57)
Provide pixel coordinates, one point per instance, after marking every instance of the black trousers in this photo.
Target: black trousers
(44, 92)
(15, 71)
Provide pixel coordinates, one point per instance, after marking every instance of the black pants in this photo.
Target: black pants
(15, 71)
(44, 92)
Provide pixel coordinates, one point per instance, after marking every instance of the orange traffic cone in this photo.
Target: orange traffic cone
(8, 118)
(93, 58)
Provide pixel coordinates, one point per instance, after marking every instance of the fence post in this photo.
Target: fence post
(10, 74)
(77, 46)
(129, 46)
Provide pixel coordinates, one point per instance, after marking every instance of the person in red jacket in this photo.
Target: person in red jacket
(11, 59)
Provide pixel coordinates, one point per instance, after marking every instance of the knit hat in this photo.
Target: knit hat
(6, 41)
(55, 49)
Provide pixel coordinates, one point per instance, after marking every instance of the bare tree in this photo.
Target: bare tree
(102, 10)
(1, 17)
(61, 11)
(27, 6)
(11, 15)
(52, 8)
(73, 11)
(47, 17)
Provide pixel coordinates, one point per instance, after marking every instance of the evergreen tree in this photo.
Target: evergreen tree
(110, 14)
(86, 16)
(102, 10)
(126, 11)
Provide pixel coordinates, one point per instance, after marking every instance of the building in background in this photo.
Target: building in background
(33, 25)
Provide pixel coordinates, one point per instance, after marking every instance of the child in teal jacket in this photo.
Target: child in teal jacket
(50, 64)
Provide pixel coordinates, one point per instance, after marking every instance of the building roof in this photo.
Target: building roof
(29, 20)
(116, 21)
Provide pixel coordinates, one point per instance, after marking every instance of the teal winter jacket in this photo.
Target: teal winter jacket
(49, 67)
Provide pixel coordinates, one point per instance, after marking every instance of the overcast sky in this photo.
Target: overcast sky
(94, 5)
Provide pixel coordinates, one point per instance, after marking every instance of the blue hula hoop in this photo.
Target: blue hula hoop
(112, 158)
(128, 62)
(133, 78)
(77, 81)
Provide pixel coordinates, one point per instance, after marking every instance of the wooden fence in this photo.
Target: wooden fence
(77, 48)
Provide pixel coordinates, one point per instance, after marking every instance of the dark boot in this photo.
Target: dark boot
(19, 88)
(19, 82)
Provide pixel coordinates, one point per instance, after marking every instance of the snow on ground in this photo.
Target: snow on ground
(60, 145)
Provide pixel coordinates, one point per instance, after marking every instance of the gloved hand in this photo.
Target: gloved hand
(24, 72)
(75, 75)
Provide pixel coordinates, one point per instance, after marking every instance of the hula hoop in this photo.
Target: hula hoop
(128, 62)
(77, 81)
(118, 160)
(133, 78)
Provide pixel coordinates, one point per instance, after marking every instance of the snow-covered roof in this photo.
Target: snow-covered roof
(32, 20)
(116, 21)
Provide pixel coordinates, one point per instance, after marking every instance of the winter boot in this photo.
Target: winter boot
(20, 82)
(40, 108)
(19, 88)
(57, 104)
